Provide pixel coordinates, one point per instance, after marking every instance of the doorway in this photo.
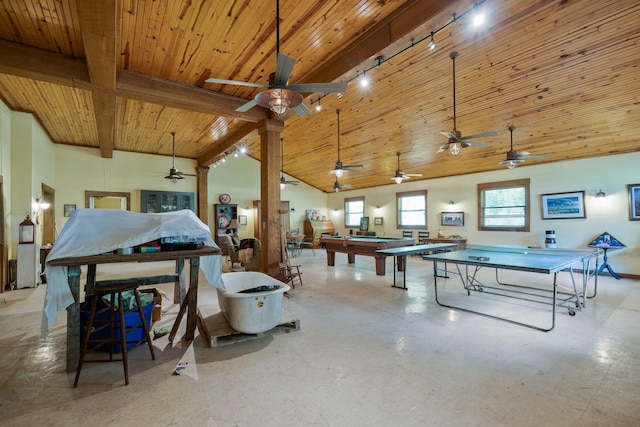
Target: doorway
(48, 215)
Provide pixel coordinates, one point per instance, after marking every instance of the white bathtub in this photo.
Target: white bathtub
(256, 311)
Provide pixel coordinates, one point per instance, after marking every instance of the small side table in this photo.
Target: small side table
(605, 263)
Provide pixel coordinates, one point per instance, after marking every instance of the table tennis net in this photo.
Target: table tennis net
(533, 251)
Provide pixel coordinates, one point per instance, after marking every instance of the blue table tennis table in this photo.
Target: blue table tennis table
(545, 261)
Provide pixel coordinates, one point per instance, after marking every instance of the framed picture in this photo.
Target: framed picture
(68, 210)
(563, 205)
(378, 220)
(634, 202)
(455, 219)
(242, 219)
(364, 223)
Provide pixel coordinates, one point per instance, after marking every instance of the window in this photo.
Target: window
(412, 209)
(353, 211)
(504, 206)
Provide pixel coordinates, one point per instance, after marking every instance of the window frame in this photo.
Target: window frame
(399, 196)
(516, 183)
(346, 212)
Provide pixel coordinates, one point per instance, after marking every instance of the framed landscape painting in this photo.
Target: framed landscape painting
(634, 202)
(563, 205)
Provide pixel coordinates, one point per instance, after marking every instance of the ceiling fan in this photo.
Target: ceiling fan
(337, 186)
(514, 158)
(456, 141)
(279, 95)
(339, 169)
(399, 176)
(175, 174)
(283, 181)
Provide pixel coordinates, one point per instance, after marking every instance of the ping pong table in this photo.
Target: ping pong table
(400, 257)
(545, 261)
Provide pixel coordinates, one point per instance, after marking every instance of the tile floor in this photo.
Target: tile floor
(367, 354)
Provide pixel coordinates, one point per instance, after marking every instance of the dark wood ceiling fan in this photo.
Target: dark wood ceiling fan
(456, 141)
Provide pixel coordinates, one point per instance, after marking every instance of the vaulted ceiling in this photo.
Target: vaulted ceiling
(123, 74)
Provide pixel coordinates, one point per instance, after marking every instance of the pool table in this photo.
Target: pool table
(362, 245)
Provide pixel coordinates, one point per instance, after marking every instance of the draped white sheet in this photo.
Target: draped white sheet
(97, 231)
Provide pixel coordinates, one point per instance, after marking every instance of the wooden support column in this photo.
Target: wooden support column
(269, 131)
(203, 193)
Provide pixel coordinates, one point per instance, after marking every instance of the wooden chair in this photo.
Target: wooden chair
(422, 236)
(232, 251)
(407, 233)
(290, 274)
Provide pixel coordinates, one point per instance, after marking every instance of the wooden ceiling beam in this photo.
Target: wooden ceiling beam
(398, 24)
(100, 23)
(229, 141)
(39, 64)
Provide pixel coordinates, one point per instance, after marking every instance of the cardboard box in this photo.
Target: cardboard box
(156, 313)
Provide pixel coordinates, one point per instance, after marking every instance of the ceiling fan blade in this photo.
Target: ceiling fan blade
(525, 155)
(302, 109)
(468, 142)
(319, 87)
(246, 107)
(448, 134)
(284, 68)
(353, 166)
(443, 148)
(186, 174)
(412, 174)
(236, 82)
(480, 135)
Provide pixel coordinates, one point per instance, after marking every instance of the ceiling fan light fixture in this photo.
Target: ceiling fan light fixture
(339, 173)
(398, 179)
(278, 100)
(455, 148)
(511, 164)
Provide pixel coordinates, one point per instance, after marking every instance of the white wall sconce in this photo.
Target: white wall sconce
(39, 206)
(600, 195)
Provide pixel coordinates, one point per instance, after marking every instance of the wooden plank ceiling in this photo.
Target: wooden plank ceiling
(123, 74)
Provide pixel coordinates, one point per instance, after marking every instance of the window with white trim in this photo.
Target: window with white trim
(504, 206)
(412, 209)
(353, 211)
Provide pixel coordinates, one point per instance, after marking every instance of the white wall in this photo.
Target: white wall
(240, 178)
(611, 174)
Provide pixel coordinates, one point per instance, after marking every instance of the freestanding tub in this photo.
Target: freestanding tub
(251, 301)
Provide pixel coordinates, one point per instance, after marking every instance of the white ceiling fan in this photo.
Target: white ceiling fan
(514, 158)
(399, 176)
(175, 174)
(279, 96)
(283, 181)
(339, 169)
(456, 141)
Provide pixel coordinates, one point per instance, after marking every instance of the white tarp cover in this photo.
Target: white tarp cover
(98, 231)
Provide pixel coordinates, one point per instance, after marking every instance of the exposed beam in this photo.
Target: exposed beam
(178, 95)
(39, 64)
(398, 24)
(210, 155)
(100, 24)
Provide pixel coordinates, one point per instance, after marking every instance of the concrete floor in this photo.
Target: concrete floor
(367, 354)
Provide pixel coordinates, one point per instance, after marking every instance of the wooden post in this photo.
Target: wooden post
(203, 191)
(270, 157)
(73, 319)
